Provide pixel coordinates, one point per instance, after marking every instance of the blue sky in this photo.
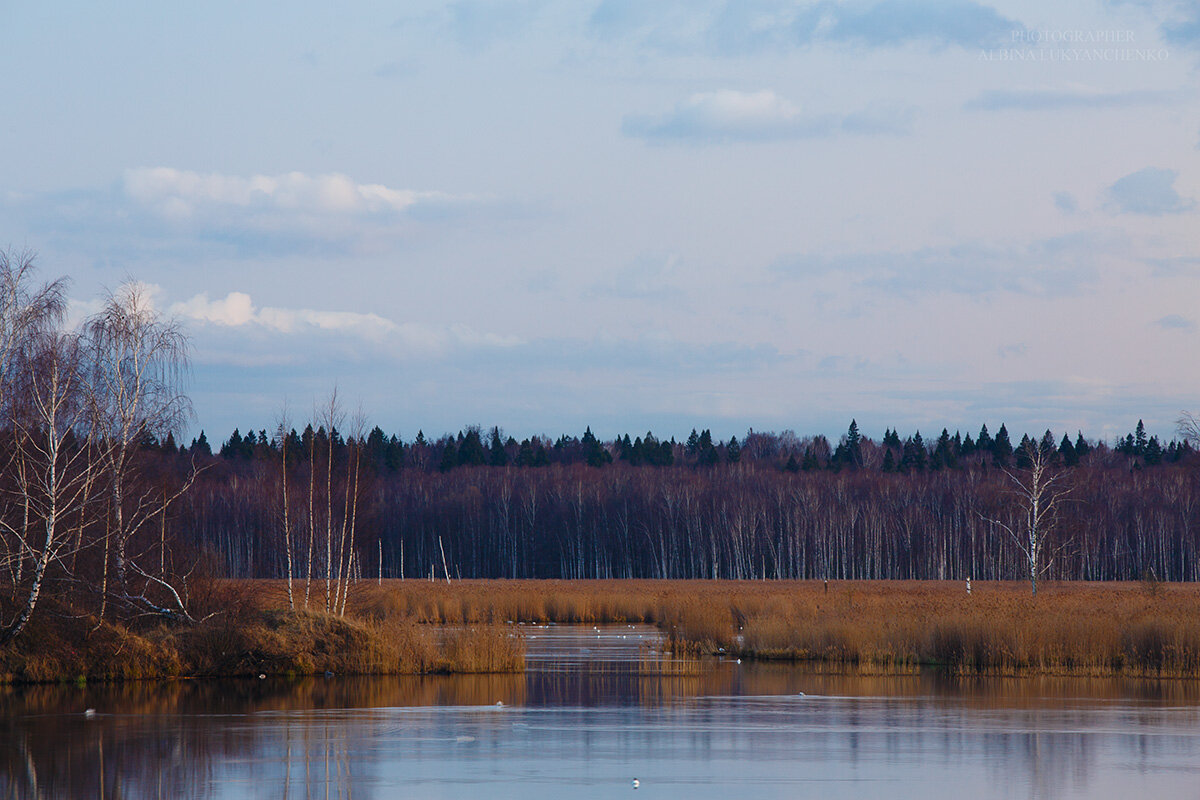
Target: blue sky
(631, 215)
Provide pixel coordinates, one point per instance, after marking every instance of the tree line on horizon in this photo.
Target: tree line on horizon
(472, 447)
(327, 508)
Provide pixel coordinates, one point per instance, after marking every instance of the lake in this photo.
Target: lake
(586, 721)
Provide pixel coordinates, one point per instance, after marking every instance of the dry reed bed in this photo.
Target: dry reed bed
(255, 634)
(888, 626)
(1087, 629)
(420, 627)
(313, 642)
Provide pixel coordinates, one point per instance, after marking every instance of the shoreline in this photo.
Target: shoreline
(413, 627)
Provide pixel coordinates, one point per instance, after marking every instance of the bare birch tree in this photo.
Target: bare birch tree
(311, 445)
(330, 416)
(51, 426)
(1040, 490)
(139, 359)
(283, 432)
(26, 312)
(358, 432)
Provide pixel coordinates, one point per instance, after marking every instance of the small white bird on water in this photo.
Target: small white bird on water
(636, 783)
(90, 713)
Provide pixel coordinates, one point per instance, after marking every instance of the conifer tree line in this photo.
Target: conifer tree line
(472, 447)
(766, 505)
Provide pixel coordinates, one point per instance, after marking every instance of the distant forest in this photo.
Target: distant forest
(319, 503)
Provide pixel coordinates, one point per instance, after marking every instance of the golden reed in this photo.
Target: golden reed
(1136, 628)
(1070, 628)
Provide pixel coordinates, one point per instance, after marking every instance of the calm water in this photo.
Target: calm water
(583, 723)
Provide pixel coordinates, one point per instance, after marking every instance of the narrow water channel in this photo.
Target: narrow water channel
(591, 716)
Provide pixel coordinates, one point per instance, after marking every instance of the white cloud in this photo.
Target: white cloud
(180, 194)
(79, 310)
(723, 114)
(162, 209)
(728, 107)
(237, 310)
(255, 215)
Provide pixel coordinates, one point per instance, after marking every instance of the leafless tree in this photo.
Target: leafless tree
(26, 312)
(77, 410)
(345, 555)
(283, 432)
(52, 431)
(1188, 426)
(139, 360)
(311, 445)
(1040, 491)
(331, 415)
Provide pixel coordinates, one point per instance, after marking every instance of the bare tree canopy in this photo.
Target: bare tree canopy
(1188, 427)
(26, 310)
(78, 410)
(140, 360)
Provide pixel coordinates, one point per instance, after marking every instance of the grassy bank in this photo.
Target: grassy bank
(255, 634)
(1131, 628)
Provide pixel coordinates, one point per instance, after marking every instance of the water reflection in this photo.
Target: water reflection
(589, 722)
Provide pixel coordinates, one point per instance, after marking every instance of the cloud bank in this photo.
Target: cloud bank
(292, 213)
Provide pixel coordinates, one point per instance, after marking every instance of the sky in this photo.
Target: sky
(549, 215)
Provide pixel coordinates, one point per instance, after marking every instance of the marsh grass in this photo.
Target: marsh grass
(1070, 629)
(1148, 628)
